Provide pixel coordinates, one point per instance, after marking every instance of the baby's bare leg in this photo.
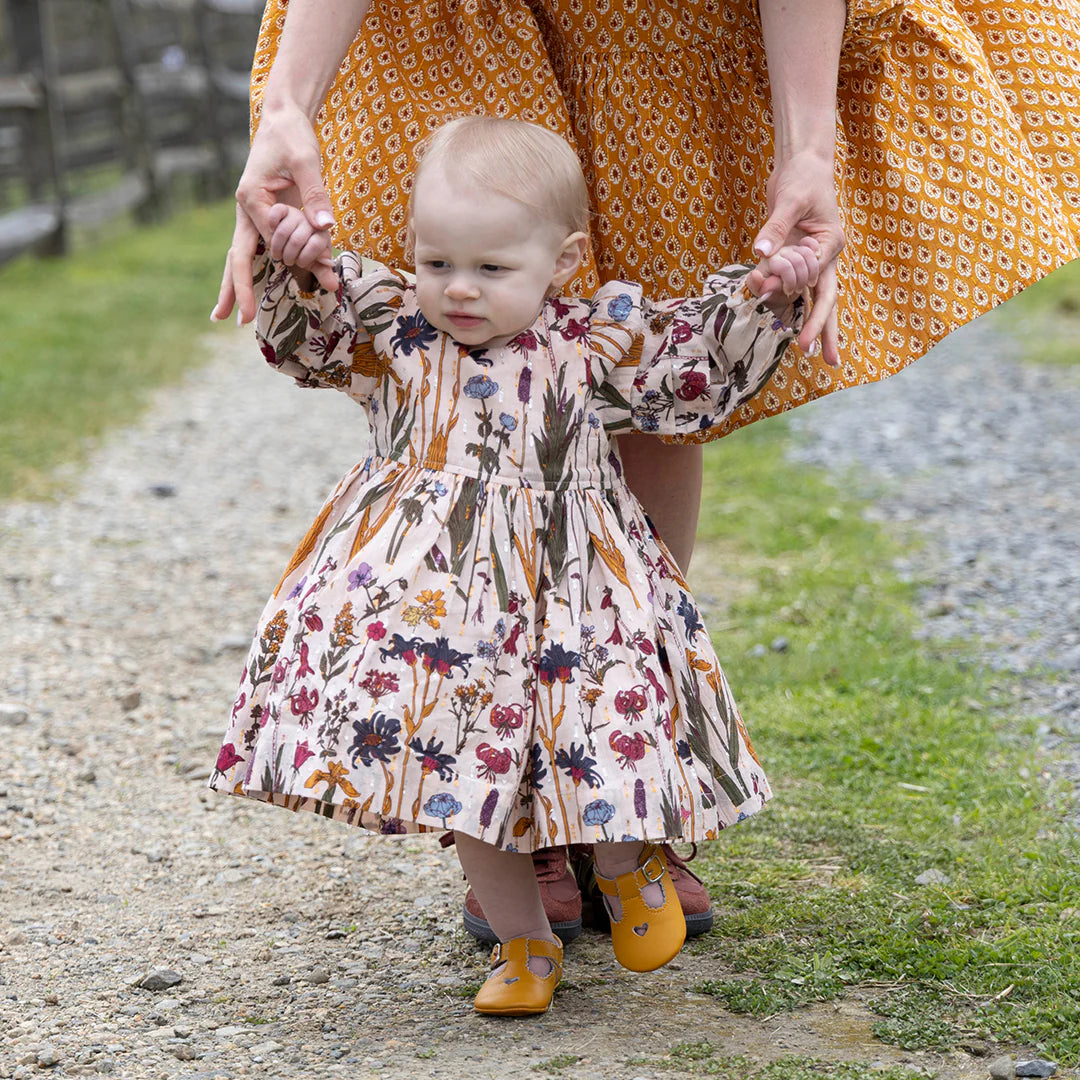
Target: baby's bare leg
(613, 859)
(505, 884)
(667, 481)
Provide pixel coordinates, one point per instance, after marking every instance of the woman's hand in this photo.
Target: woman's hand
(283, 166)
(801, 198)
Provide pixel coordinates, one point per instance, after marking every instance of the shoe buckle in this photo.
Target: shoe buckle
(657, 863)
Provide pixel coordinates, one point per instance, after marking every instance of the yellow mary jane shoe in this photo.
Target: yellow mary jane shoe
(645, 938)
(516, 990)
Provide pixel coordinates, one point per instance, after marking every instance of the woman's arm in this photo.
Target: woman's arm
(284, 163)
(802, 47)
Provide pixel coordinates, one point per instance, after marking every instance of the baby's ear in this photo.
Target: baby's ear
(571, 256)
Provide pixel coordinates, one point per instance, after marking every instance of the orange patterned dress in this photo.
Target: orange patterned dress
(958, 146)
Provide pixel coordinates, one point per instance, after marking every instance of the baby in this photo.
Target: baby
(481, 631)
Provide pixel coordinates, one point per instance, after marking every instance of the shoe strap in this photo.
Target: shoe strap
(650, 870)
(519, 950)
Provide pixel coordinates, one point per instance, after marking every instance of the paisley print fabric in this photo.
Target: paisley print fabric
(481, 630)
(957, 163)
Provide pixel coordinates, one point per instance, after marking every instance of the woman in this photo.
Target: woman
(956, 165)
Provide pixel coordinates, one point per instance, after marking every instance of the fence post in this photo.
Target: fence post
(44, 168)
(212, 114)
(137, 128)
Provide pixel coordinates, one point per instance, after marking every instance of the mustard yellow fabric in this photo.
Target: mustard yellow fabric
(958, 130)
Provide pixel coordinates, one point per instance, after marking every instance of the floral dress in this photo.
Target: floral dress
(481, 630)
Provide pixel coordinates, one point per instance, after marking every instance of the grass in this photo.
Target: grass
(86, 337)
(701, 1059)
(1047, 317)
(886, 762)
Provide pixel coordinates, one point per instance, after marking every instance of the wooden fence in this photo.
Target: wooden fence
(105, 105)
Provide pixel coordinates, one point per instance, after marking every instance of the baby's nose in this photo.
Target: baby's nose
(461, 287)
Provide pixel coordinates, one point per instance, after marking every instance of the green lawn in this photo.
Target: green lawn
(83, 338)
(889, 757)
(1046, 317)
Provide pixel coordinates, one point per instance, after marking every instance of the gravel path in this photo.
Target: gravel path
(304, 947)
(977, 453)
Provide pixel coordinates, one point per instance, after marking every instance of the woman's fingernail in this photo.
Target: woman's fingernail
(324, 219)
(765, 296)
(815, 349)
(214, 317)
(763, 247)
(239, 318)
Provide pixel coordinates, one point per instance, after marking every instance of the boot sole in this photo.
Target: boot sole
(481, 928)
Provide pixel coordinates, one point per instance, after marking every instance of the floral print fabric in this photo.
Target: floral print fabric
(958, 146)
(481, 630)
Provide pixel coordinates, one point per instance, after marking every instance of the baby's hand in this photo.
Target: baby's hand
(792, 269)
(302, 248)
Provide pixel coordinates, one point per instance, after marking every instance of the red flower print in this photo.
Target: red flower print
(496, 762)
(379, 683)
(695, 384)
(506, 719)
(654, 682)
(240, 702)
(616, 636)
(631, 703)
(312, 620)
(376, 631)
(629, 749)
(681, 331)
(305, 668)
(303, 752)
(511, 644)
(227, 757)
(575, 329)
(303, 703)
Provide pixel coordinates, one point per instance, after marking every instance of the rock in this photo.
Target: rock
(1001, 1068)
(160, 979)
(758, 651)
(130, 700)
(268, 1047)
(932, 877)
(87, 776)
(162, 491)
(13, 715)
(234, 643)
(317, 976)
(779, 644)
(183, 1052)
(1035, 1067)
(281, 980)
(47, 1057)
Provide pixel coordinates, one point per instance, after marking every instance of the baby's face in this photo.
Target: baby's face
(484, 262)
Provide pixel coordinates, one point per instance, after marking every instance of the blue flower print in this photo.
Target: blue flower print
(509, 422)
(442, 805)
(360, 576)
(376, 739)
(689, 615)
(298, 588)
(480, 386)
(440, 488)
(619, 307)
(594, 421)
(413, 332)
(626, 838)
(598, 812)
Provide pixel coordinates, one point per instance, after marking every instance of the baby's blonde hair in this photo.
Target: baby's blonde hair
(514, 158)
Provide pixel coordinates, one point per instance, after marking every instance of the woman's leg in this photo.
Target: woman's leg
(505, 884)
(667, 481)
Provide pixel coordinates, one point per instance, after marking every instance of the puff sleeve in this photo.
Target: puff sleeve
(699, 358)
(326, 339)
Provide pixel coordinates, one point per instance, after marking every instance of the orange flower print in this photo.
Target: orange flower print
(429, 608)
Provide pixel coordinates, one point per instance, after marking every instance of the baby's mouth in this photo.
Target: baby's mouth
(459, 318)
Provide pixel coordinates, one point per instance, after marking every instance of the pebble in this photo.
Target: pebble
(130, 701)
(13, 715)
(1035, 1067)
(932, 877)
(317, 976)
(1002, 1068)
(160, 979)
(47, 1056)
(779, 644)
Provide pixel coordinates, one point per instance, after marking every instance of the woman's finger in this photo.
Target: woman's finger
(821, 314)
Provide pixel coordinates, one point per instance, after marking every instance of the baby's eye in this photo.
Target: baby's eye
(491, 268)
(436, 264)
